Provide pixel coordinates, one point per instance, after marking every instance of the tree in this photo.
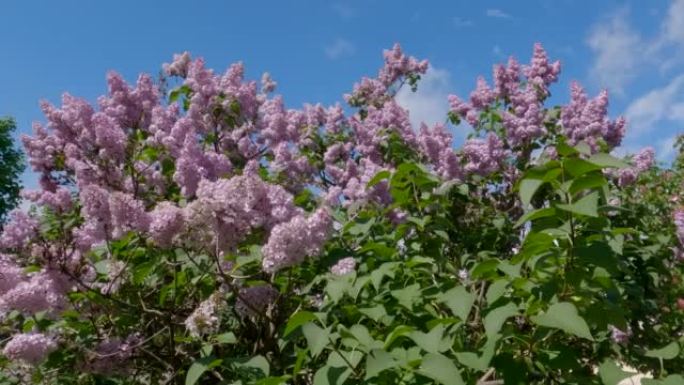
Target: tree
(11, 166)
(214, 236)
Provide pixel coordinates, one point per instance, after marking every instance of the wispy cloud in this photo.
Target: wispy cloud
(622, 52)
(673, 27)
(665, 150)
(429, 103)
(339, 48)
(618, 50)
(462, 22)
(495, 12)
(658, 105)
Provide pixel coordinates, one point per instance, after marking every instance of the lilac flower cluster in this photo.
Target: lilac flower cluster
(226, 210)
(642, 161)
(31, 348)
(523, 113)
(204, 320)
(484, 156)
(678, 218)
(344, 266)
(585, 119)
(112, 356)
(619, 336)
(255, 300)
(18, 230)
(291, 242)
(30, 294)
(397, 66)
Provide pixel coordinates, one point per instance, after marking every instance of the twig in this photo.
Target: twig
(484, 380)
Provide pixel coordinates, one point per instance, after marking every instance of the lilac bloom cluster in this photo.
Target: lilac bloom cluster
(204, 320)
(291, 242)
(585, 119)
(641, 162)
(484, 156)
(111, 356)
(18, 230)
(520, 91)
(678, 218)
(31, 348)
(255, 300)
(398, 66)
(344, 266)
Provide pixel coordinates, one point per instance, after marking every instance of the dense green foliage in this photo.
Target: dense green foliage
(11, 166)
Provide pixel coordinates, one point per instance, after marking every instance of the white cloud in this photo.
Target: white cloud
(429, 103)
(495, 12)
(665, 150)
(673, 28)
(339, 48)
(667, 45)
(618, 50)
(660, 104)
(621, 52)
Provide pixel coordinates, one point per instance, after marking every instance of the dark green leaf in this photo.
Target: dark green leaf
(564, 316)
(440, 369)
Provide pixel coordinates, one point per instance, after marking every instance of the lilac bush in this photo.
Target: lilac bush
(214, 235)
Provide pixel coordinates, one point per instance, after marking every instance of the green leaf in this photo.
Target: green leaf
(611, 374)
(484, 267)
(399, 331)
(480, 363)
(361, 334)
(142, 271)
(257, 362)
(382, 175)
(564, 316)
(495, 319)
(199, 367)
(407, 296)
(316, 338)
(588, 181)
(375, 313)
(577, 166)
(527, 189)
(361, 228)
(674, 379)
(666, 353)
(441, 369)
(431, 341)
(496, 290)
(274, 380)
(378, 361)
(587, 205)
(297, 320)
(565, 150)
(336, 371)
(225, 338)
(459, 301)
(535, 214)
(338, 286)
(606, 160)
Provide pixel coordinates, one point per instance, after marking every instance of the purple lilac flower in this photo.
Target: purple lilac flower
(31, 348)
(343, 266)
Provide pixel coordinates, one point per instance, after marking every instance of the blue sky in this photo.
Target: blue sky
(316, 49)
